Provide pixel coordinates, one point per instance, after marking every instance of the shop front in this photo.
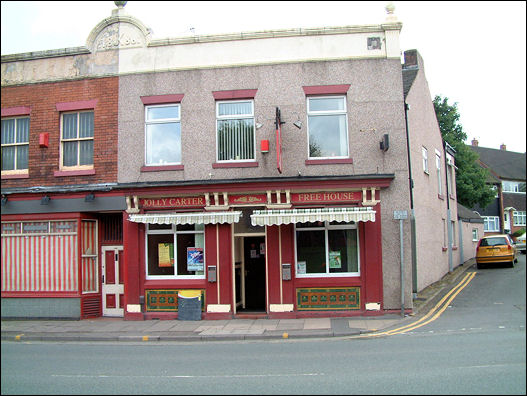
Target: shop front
(256, 250)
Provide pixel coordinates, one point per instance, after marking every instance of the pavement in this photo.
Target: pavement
(117, 329)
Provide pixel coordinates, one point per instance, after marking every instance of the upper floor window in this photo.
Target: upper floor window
(235, 130)
(163, 134)
(425, 160)
(15, 143)
(438, 167)
(327, 126)
(509, 186)
(518, 218)
(76, 139)
(491, 223)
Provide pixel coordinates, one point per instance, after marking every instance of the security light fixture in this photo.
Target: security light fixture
(298, 124)
(4, 200)
(45, 200)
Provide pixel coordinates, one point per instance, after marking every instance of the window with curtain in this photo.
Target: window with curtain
(15, 143)
(163, 134)
(235, 130)
(491, 223)
(77, 139)
(327, 127)
(327, 249)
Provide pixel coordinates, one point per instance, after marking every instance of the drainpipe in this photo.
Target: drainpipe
(448, 214)
(412, 211)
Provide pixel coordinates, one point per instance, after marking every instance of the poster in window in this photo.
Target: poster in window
(166, 254)
(301, 267)
(335, 260)
(194, 259)
(262, 248)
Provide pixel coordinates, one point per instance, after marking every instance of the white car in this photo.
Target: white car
(520, 243)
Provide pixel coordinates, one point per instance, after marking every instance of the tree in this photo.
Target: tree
(471, 178)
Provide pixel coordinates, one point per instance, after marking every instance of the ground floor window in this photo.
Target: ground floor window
(475, 234)
(327, 249)
(492, 223)
(175, 251)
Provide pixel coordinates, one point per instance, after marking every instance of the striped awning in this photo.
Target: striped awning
(291, 216)
(187, 218)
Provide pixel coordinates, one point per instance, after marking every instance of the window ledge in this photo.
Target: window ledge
(329, 161)
(160, 168)
(248, 164)
(21, 175)
(64, 173)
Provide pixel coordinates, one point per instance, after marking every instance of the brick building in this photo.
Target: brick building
(263, 170)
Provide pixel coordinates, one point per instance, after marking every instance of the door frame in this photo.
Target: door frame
(242, 236)
(112, 312)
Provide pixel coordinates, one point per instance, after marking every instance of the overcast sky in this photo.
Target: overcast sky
(474, 52)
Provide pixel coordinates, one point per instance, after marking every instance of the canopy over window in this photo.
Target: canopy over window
(187, 218)
(291, 216)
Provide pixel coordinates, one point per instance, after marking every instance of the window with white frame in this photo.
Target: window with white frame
(76, 139)
(438, 168)
(327, 126)
(235, 130)
(518, 218)
(425, 160)
(491, 223)
(510, 186)
(175, 251)
(15, 143)
(327, 249)
(475, 236)
(162, 135)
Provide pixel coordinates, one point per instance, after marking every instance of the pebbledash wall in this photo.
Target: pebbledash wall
(257, 231)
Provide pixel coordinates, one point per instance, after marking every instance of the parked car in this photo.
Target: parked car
(496, 249)
(520, 243)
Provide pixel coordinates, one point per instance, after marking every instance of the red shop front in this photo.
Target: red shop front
(305, 249)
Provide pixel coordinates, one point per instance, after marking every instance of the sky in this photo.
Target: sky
(474, 52)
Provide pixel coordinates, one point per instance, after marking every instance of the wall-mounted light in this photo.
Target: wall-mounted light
(385, 142)
(298, 124)
(4, 200)
(89, 198)
(45, 200)
(258, 125)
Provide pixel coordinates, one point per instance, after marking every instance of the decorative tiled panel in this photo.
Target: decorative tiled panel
(166, 300)
(328, 299)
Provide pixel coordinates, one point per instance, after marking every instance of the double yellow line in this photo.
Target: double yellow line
(432, 315)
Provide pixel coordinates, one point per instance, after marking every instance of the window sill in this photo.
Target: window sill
(329, 161)
(65, 173)
(251, 164)
(161, 168)
(24, 175)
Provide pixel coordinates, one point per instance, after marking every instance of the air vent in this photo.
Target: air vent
(374, 43)
(91, 307)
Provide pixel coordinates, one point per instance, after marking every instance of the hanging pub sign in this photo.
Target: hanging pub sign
(278, 124)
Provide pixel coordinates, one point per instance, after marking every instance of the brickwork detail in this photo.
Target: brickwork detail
(42, 99)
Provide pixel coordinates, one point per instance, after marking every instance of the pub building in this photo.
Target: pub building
(261, 171)
(283, 250)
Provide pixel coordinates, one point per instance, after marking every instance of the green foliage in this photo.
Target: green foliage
(470, 177)
(519, 232)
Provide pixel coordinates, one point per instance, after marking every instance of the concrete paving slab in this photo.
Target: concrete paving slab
(317, 323)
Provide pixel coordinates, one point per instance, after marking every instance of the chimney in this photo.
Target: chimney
(475, 143)
(503, 147)
(410, 58)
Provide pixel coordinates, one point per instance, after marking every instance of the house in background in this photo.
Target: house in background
(506, 214)
(268, 170)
